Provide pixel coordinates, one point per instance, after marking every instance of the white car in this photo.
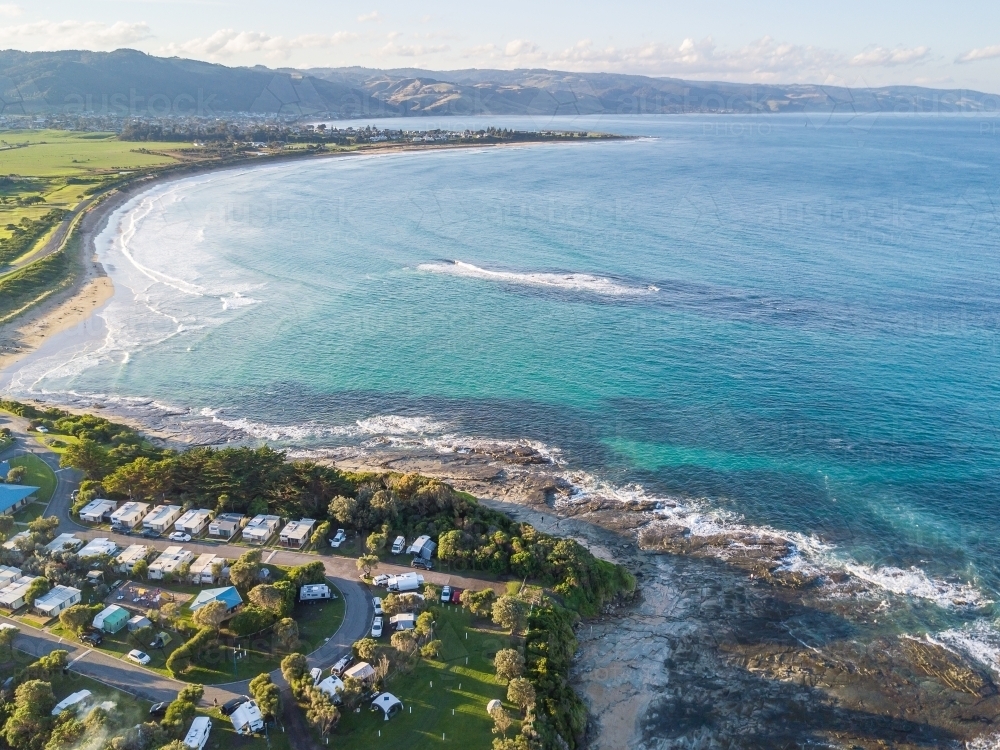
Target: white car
(377, 603)
(397, 546)
(338, 538)
(377, 627)
(139, 657)
(381, 579)
(179, 536)
(446, 594)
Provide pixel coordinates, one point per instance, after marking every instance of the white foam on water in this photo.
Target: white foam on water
(574, 282)
(978, 641)
(392, 424)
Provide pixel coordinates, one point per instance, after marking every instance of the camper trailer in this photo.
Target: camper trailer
(197, 735)
(315, 592)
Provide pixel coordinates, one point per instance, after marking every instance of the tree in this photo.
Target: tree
(424, 625)
(293, 667)
(140, 479)
(321, 712)
(192, 693)
(43, 528)
(350, 694)
(367, 563)
(509, 664)
(210, 615)
(245, 572)
(381, 668)
(7, 636)
(77, 618)
(266, 693)
(431, 649)
(140, 569)
(16, 474)
(507, 613)
(30, 721)
(479, 603)
(179, 714)
(365, 649)
(89, 457)
(170, 612)
(344, 509)
(521, 692)
(501, 721)
(320, 534)
(67, 732)
(376, 542)
(268, 597)
(286, 633)
(37, 588)
(404, 641)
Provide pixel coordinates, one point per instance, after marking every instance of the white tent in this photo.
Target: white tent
(388, 704)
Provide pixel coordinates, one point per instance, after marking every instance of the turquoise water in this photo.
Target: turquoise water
(788, 320)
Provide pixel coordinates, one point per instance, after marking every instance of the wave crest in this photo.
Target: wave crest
(573, 282)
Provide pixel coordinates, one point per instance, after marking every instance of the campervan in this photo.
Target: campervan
(405, 582)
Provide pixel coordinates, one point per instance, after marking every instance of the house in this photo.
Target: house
(125, 562)
(14, 496)
(194, 521)
(422, 547)
(62, 543)
(225, 525)
(138, 623)
(201, 568)
(8, 575)
(160, 518)
(111, 619)
(228, 595)
(129, 515)
(361, 671)
(12, 597)
(296, 534)
(97, 511)
(404, 621)
(98, 548)
(169, 561)
(12, 542)
(58, 599)
(260, 529)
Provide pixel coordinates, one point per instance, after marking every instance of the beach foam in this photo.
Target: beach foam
(573, 282)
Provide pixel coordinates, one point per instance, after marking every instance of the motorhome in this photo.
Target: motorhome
(247, 719)
(405, 582)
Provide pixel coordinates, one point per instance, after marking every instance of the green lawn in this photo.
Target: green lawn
(447, 696)
(30, 512)
(37, 474)
(63, 153)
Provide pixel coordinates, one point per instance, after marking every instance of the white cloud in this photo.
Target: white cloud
(520, 47)
(370, 17)
(51, 35)
(980, 53)
(229, 43)
(890, 57)
(392, 49)
(10, 10)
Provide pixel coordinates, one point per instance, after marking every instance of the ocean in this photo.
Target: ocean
(780, 322)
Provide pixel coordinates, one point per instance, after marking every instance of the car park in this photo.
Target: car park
(179, 536)
(338, 538)
(377, 604)
(139, 657)
(377, 627)
(344, 662)
(446, 594)
(231, 705)
(419, 562)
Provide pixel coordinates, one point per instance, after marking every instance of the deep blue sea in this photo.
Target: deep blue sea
(785, 321)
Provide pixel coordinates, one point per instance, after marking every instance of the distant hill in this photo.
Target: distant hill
(131, 82)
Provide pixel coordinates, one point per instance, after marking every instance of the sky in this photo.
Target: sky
(937, 44)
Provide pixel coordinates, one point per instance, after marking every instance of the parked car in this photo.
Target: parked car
(179, 536)
(338, 668)
(158, 709)
(446, 595)
(231, 705)
(317, 674)
(419, 562)
(377, 604)
(377, 627)
(456, 596)
(381, 579)
(139, 657)
(338, 538)
(117, 584)
(150, 534)
(397, 546)
(93, 637)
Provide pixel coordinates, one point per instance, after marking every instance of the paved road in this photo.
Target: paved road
(53, 243)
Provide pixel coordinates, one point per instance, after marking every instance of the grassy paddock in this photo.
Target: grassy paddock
(37, 474)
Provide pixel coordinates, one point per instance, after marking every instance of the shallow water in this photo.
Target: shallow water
(788, 322)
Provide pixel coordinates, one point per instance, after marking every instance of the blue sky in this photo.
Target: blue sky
(854, 43)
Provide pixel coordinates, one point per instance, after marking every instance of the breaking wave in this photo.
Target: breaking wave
(573, 282)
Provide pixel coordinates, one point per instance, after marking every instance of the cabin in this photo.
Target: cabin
(128, 516)
(13, 497)
(56, 600)
(98, 548)
(8, 575)
(226, 525)
(194, 521)
(201, 568)
(296, 534)
(62, 543)
(169, 561)
(260, 529)
(125, 562)
(13, 541)
(111, 619)
(12, 596)
(161, 518)
(228, 595)
(97, 511)
(422, 547)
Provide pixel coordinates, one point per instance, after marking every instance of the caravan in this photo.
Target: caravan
(197, 735)
(247, 718)
(405, 582)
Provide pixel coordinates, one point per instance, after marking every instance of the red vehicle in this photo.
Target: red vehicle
(456, 596)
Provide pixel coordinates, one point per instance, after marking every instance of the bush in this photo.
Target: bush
(182, 658)
(250, 620)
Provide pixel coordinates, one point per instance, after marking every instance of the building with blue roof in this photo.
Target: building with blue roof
(228, 595)
(14, 496)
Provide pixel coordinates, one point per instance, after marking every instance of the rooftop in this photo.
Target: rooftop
(228, 595)
(56, 596)
(98, 547)
(12, 494)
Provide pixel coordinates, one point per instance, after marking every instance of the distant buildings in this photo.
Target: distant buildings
(228, 595)
(201, 568)
(125, 562)
(12, 595)
(111, 619)
(62, 543)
